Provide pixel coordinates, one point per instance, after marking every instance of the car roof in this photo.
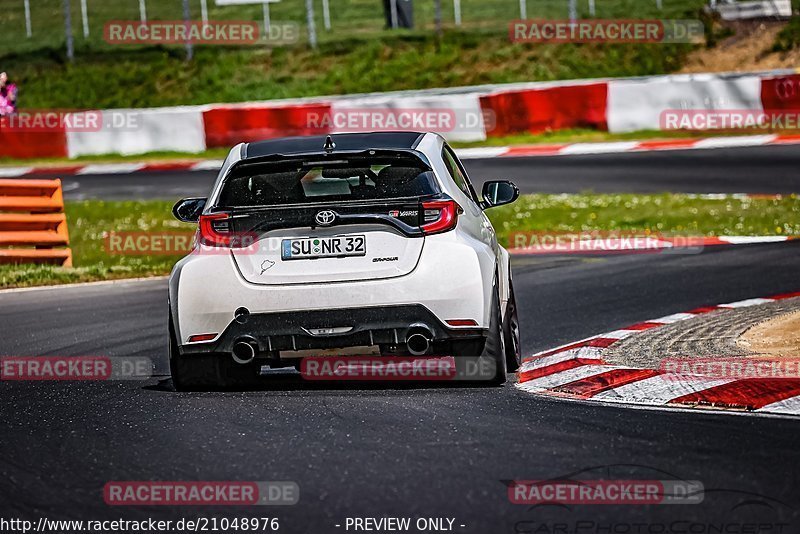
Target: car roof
(345, 141)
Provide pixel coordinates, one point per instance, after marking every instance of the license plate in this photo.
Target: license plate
(323, 247)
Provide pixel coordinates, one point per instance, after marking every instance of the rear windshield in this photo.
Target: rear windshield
(304, 182)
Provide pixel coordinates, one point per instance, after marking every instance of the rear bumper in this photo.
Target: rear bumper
(355, 327)
(452, 280)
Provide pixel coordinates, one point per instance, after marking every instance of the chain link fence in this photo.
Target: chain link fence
(30, 25)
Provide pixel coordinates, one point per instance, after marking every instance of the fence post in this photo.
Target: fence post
(85, 19)
(267, 21)
(591, 8)
(204, 11)
(326, 15)
(457, 12)
(68, 30)
(573, 10)
(142, 11)
(438, 17)
(28, 30)
(659, 4)
(186, 19)
(523, 9)
(393, 13)
(312, 29)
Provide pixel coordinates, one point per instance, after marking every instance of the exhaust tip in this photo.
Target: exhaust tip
(244, 350)
(418, 339)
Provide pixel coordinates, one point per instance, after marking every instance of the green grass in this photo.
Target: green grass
(670, 214)
(89, 224)
(789, 37)
(363, 19)
(91, 221)
(160, 77)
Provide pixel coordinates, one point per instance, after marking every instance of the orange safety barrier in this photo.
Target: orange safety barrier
(33, 218)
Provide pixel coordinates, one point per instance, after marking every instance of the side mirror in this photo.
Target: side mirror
(189, 209)
(499, 192)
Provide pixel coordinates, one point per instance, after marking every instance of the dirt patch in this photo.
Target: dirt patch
(776, 337)
(749, 49)
(706, 336)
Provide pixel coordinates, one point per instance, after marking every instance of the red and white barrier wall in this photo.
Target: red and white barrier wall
(638, 104)
(466, 114)
(138, 131)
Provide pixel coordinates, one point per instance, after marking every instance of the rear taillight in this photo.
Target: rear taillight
(202, 337)
(215, 229)
(439, 216)
(462, 322)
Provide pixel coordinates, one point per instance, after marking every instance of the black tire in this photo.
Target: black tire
(494, 349)
(207, 372)
(511, 332)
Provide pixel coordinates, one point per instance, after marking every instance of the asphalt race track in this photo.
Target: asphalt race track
(764, 169)
(398, 451)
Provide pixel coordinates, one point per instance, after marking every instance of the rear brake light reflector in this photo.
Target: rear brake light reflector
(462, 322)
(201, 337)
(439, 216)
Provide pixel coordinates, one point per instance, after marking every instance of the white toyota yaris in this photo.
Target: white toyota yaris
(372, 243)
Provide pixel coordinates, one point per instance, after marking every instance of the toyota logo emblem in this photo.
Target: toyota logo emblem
(325, 218)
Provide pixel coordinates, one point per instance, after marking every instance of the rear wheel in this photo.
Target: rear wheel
(511, 332)
(493, 356)
(210, 371)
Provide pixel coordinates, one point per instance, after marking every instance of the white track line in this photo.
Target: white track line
(13, 172)
(598, 148)
(208, 165)
(659, 389)
(674, 318)
(786, 406)
(746, 303)
(565, 377)
(585, 353)
(111, 168)
(728, 142)
(747, 240)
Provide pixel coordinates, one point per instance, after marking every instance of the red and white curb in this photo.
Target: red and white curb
(578, 371)
(576, 149)
(564, 244)
(571, 149)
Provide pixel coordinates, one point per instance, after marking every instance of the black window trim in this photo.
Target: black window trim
(471, 192)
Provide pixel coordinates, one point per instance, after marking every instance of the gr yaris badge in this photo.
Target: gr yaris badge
(325, 217)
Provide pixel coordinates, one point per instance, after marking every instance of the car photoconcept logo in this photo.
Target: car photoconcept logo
(325, 218)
